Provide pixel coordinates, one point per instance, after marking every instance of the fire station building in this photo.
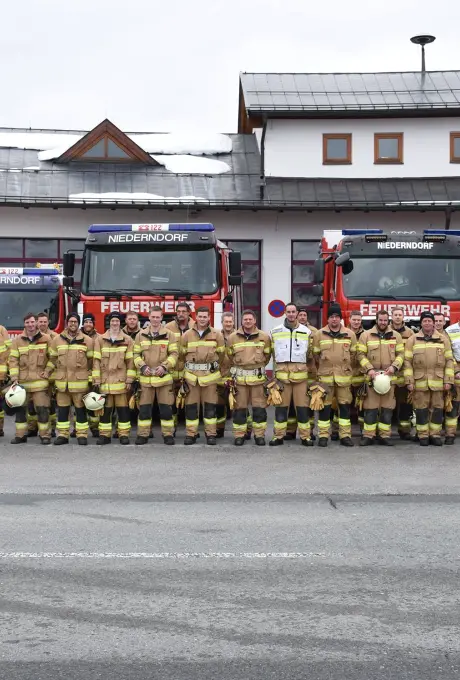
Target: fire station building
(313, 152)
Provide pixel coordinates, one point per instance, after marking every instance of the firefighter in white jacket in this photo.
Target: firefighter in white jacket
(292, 352)
(451, 417)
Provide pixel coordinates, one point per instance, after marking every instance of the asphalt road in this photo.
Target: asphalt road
(192, 563)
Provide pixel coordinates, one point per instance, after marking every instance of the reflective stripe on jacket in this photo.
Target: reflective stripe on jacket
(334, 355)
(291, 349)
(208, 348)
(29, 361)
(380, 351)
(5, 344)
(153, 351)
(429, 363)
(114, 363)
(249, 352)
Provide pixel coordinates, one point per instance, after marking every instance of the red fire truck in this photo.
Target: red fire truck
(35, 290)
(131, 267)
(367, 270)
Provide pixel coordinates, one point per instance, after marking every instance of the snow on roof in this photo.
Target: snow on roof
(190, 165)
(193, 143)
(130, 198)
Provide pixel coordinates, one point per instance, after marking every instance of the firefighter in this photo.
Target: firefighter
(428, 371)
(180, 325)
(114, 372)
(334, 348)
(155, 356)
(5, 344)
(32, 423)
(356, 325)
(439, 324)
(250, 351)
(381, 349)
(132, 325)
(228, 327)
(202, 348)
(404, 409)
(30, 365)
(291, 430)
(89, 330)
(292, 352)
(451, 415)
(72, 355)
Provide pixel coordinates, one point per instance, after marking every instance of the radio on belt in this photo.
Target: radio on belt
(110, 228)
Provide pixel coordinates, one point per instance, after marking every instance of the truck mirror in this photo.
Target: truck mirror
(234, 263)
(318, 290)
(347, 268)
(318, 271)
(68, 281)
(340, 261)
(69, 264)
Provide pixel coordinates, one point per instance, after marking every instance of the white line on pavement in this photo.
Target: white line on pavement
(160, 556)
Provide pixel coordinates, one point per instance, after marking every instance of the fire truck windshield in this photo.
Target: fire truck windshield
(403, 278)
(192, 270)
(14, 304)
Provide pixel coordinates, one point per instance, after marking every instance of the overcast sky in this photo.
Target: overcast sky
(173, 64)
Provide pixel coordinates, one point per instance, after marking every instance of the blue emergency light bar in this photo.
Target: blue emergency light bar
(32, 271)
(443, 232)
(360, 232)
(109, 228)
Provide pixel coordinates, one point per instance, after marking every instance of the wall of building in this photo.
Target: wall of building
(275, 230)
(294, 148)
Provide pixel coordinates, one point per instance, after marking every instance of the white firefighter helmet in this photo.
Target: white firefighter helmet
(15, 396)
(381, 383)
(94, 401)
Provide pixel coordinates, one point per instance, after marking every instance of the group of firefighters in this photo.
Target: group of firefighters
(188, 363)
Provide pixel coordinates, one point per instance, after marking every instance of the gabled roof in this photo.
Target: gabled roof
(328, 93)
(108, 142)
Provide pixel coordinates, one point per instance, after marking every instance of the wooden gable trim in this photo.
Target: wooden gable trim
(104, 130)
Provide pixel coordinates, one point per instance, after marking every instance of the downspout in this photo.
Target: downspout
(262, 161)
(448, 214)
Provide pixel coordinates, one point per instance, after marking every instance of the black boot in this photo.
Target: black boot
(211, 440)
(289, 436)
(239, 441)
(124, 440)
(220, 433)
(103, 441)
(366, 441)
(405, 436)
(323, 441)
(335, 437)
(19, 440)
(45, 441)
(307, 442)
(436, 441)
(60, 441)
(260, 441)
(32, 433)
(449, 441)
(141, 440)
(277, 442)
(385, 441)
(189, 440)
(346, 441)
(168, 439)
(82, 441)
(424, 441)
(248, 436)
(95, 432)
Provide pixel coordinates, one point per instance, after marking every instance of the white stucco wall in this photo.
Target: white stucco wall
(275, 230)
(294, 148)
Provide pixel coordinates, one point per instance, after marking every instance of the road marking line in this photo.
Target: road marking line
(161, 555)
